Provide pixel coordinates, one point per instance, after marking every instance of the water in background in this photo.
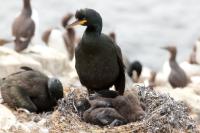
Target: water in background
(142, 26)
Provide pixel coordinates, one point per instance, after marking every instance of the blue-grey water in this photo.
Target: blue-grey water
(142, 26)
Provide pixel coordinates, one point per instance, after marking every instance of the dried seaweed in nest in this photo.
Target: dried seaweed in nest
(66, 118)
(164, 114)
(67, 106)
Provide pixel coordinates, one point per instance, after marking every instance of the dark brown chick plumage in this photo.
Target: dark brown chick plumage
(127, 107)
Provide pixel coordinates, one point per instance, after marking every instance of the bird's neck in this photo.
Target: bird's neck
(172, 60)
(27, 8)
(173, 63)
(90, 35)
(71, 35)
(94, 29)
(172, 57)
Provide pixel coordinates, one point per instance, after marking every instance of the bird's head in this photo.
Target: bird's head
(21, 44)
(112, 35)
(172, 50)
(66, 19)
(55, 88)
(82, 105)
(88, 17)
(135, 66)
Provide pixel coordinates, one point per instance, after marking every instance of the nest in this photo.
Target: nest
(163, 114)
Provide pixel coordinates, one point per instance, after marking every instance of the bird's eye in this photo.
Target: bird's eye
(81, 17)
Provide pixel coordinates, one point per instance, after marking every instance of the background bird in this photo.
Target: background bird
(99, 62)
(135, 66)
(23, 28)
(192, 57)
(61, 41)
(177, 76)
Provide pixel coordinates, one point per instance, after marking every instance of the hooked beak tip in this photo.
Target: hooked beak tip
(78, 22)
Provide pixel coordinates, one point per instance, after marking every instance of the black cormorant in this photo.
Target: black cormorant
(99, 61)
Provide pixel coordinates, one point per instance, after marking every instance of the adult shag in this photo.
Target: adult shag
(99, 61)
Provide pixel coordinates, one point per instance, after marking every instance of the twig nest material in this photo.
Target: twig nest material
(163, 114)
(189, 95)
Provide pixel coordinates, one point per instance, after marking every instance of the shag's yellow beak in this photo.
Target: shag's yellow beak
(78, 22)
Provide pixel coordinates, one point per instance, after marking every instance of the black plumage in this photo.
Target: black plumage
(126, 62)
(32, 90)
(99, 61)
(23, 28)
(135, 66)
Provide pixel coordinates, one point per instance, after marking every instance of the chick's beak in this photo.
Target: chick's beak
(78, 22)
